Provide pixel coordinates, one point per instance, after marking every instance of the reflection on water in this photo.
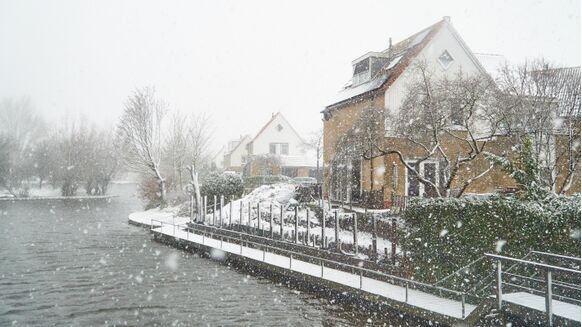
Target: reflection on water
(79, 263)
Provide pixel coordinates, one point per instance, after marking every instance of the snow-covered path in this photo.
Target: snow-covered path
(415, 298)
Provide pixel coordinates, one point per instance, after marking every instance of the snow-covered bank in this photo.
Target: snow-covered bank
(166, 215)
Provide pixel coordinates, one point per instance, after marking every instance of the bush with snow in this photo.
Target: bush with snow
(226, 184)
(443, 235)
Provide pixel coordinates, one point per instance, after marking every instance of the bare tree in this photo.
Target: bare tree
(448, 120)
(140, 131)
(541, 104)
(315, 142)
(176, 147)
(197, 139)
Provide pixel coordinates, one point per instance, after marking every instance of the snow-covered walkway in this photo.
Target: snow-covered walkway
(538, 303)
(412, 297)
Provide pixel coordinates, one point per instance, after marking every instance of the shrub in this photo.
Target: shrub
(227, 184)
(443, 235)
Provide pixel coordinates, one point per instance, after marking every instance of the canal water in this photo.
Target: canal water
(80, 263)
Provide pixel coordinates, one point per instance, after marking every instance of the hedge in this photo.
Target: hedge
(442, 235)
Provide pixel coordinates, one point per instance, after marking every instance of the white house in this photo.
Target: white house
(236, 154)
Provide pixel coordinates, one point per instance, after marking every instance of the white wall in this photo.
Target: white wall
(239, 152)
(443, 40)
(272, 135)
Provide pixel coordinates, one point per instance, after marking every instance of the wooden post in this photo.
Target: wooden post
(205, 209)
(393, 251)
(323, 238)
(498, 282)
(271, 219)
(191, 208)
(296, 226)
(240, 216)
(281, 223)
(549, 307)
(259, 229)
(221, 207)
(230, 214)
(355, 233)
(214, 211)
(308, 227)
(250, 217)
(406, 295)
(374, 236)
(337, 237)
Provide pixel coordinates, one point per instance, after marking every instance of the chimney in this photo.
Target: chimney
(447, 19)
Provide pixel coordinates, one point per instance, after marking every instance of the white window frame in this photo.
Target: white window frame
(421, 190)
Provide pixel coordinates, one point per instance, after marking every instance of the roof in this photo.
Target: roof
(402, 53)
(278, 114)
(238, 145)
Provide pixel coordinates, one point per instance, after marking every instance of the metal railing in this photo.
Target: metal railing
(407, 284)
(548, 284)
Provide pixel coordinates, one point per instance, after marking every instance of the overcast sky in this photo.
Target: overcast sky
(240, 61)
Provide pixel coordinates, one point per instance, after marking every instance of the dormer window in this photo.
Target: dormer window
(361, 72)
(367, 66)
(446, 59)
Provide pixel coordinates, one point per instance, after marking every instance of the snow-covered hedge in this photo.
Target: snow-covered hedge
(227, 184)
(443, 235)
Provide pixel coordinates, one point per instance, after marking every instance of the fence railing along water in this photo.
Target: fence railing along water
(414, 292)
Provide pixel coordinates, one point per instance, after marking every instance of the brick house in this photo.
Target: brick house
(380, 80)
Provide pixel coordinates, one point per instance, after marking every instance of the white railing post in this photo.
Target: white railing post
(463, 305)
(549, 308)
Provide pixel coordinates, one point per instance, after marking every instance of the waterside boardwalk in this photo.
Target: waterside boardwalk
(452, 307)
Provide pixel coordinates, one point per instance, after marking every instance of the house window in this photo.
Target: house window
(279, 148)
(446, 59)
(428, 170)
(279, 128)
(413, 188)
(361, 72)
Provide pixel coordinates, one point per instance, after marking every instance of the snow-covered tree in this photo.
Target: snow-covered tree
(140, 131)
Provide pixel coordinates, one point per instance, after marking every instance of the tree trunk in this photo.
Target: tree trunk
(162, 192)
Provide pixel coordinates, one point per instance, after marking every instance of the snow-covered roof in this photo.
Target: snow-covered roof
(402, 52)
